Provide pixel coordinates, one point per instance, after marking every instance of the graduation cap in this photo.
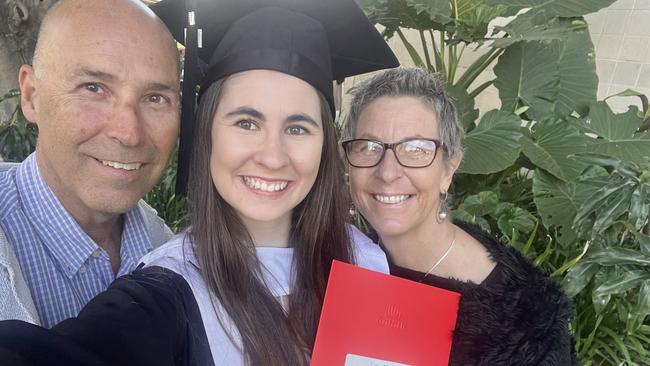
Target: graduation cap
(318, 41)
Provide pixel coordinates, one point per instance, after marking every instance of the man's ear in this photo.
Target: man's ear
(27, 82)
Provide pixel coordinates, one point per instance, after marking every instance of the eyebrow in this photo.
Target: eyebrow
(301, 117)
(369, 136)
(94, 74)
(104, 76)
(250, 111)
(247, 111)
(165, 87)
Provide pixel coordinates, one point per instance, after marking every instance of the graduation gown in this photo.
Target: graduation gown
(161, 314)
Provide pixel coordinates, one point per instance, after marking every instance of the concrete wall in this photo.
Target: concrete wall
(621, 34)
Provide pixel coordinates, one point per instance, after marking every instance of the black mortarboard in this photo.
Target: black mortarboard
(318, 41)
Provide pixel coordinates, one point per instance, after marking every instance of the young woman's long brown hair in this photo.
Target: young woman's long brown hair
(270, 335)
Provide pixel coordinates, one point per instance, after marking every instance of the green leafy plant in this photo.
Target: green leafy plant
(17, 135)
(163, 198)
(553, 171)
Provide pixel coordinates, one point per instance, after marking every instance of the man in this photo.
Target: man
(104, 93)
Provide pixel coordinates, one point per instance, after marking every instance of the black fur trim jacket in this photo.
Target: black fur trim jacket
(517, 316)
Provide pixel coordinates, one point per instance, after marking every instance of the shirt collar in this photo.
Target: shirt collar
(61, 234)
(136, 241)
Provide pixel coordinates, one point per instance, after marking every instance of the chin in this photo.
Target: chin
(116, 203)
(261, 214)
(390, 228)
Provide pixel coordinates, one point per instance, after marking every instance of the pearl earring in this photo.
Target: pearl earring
(442, 207)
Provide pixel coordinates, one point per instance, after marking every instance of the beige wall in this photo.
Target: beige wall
(621, 35)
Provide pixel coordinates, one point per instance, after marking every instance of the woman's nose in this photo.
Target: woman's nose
(389, 168)
(272, 153)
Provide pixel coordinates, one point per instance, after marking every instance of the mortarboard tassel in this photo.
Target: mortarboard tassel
(188, 103)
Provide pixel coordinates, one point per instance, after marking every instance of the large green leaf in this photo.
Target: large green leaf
(556, 77)
(622, 283)
(617, 132)
(493, 145)
(642, 308)
(550, 145)
(557, 204)
(536, 26)
(633, 149)
(644, 242)
(473, 18)
(563, 8)
(601, 299)
(527, 74)
(604, 123)
(393, 14)
(481, 204)
(511, 218)
(578, 277)
(604, 206)
(577, 72)
(438, 10)
(619, 257)
(463, 9)
(467, 113)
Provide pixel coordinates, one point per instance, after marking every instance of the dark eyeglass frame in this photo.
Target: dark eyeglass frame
(391, 146)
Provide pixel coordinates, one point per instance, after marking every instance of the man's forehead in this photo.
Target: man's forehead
(99, 24)
(151, 78)
(115, 53)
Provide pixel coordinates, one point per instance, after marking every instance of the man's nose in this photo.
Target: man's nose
(126, 126)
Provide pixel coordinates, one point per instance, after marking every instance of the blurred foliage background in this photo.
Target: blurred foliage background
(552, 172)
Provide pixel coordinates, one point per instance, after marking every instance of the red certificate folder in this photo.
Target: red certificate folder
(374, 319)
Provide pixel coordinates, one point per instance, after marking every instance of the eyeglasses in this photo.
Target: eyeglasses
(410, 153)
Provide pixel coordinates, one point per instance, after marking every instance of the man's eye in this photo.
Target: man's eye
(297, 130)
(93, 87)
(157, 99)
(247, 125)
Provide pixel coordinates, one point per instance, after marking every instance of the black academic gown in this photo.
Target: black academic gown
(149, 317)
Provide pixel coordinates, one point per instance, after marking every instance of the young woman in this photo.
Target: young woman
(245, 284)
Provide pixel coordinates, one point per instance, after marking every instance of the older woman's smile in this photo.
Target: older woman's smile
(391, 199)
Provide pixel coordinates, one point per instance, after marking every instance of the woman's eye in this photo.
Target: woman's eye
(297, 130)
(247, 125)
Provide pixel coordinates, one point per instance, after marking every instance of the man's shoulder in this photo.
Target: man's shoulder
(8, 188)
(6, 165)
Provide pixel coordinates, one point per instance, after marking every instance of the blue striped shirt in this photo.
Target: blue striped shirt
(63, 267)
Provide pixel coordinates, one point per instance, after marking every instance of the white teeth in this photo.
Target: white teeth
(391, 199)
(264, 186)
(124, 166)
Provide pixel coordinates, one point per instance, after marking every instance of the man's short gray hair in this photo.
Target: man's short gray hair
(412, 82)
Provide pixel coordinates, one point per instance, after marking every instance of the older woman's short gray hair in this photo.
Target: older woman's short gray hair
(413, 82)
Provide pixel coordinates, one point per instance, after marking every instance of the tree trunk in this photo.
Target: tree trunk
(17, 40)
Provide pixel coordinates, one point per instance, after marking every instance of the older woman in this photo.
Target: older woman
(510, 312)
